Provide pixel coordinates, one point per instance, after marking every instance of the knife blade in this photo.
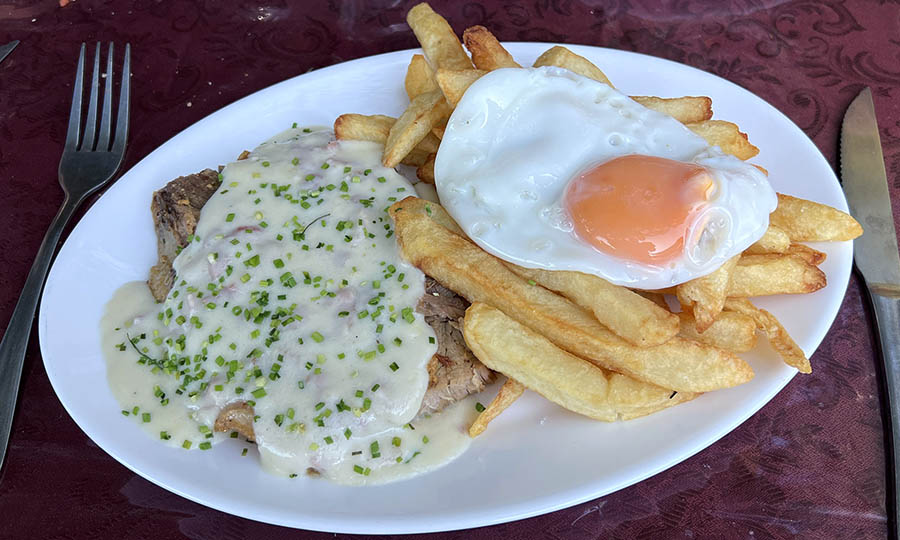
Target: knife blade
(875, 254)
(865, 184)
(8, 48)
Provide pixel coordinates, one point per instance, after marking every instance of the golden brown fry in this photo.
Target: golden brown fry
(687, 109)
(629, 315)
(726, 136)
(632, 398)
(413, 126)
(513, 349)
(763, 275)
(419, 77)
(425, 172)
(808, 221)
(535, 362)
(454, 83)
(361, 127)
(434, 211)
(438, 40)
(780, 340)
(731, 331)
(810, 255)
(487, 53)
(564, 58)
(706, 295)
(508, 394)
(375, 128)
(775, 240)
(461, 266)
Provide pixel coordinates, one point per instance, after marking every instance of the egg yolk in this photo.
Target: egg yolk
(638, 208)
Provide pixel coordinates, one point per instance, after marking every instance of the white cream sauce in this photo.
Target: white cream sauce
(293, 297)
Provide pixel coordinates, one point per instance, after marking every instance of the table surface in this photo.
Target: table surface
(810, 464)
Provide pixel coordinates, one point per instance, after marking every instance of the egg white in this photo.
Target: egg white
(518, 136)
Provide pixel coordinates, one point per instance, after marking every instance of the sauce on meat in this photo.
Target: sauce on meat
(292, 296)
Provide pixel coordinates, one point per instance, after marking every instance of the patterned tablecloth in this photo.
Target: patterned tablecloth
(810, 464)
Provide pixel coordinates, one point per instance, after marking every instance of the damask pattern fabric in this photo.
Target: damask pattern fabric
(810, 464)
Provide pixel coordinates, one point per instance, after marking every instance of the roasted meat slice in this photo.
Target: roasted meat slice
(453, 371)
(176, 209)
(236, 416)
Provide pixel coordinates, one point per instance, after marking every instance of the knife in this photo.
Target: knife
(8, 48)
(875, 252)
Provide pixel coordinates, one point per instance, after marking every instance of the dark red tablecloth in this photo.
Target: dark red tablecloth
(809, 465)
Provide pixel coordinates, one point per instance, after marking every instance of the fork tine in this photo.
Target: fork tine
(124, 104)
(90, 124)
(75, 112)
(106, 119)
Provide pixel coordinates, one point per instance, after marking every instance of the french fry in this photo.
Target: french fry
(726, 136)
(706, 295)
(454, 83)
(425, 172)
(808, 221)
(763, 275)
(632, 398)
(731, 331)
(438, 40)
(508, 394)
(535, 362)
(414, 125)
(629, 315)
(775, 240)
(419, 77)
(810, 255)
(780, 340)
(461, 266)
(687, 109)
(438, 132)
(564, 58)
(361, 127)
(487, 53)
(513, 349)
(375, 128)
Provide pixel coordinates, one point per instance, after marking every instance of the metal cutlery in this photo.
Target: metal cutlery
(90, 159)
(875, 252)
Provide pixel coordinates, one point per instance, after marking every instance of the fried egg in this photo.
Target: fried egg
(548, 169)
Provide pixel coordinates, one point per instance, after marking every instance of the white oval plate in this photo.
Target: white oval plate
(536, 457)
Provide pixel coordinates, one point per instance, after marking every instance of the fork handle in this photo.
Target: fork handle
(15, 340)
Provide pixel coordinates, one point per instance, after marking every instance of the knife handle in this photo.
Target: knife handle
(886, 301)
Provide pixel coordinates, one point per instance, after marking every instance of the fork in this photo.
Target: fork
(90, 159)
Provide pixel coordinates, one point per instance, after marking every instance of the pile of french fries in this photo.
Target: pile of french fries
(598, 349)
